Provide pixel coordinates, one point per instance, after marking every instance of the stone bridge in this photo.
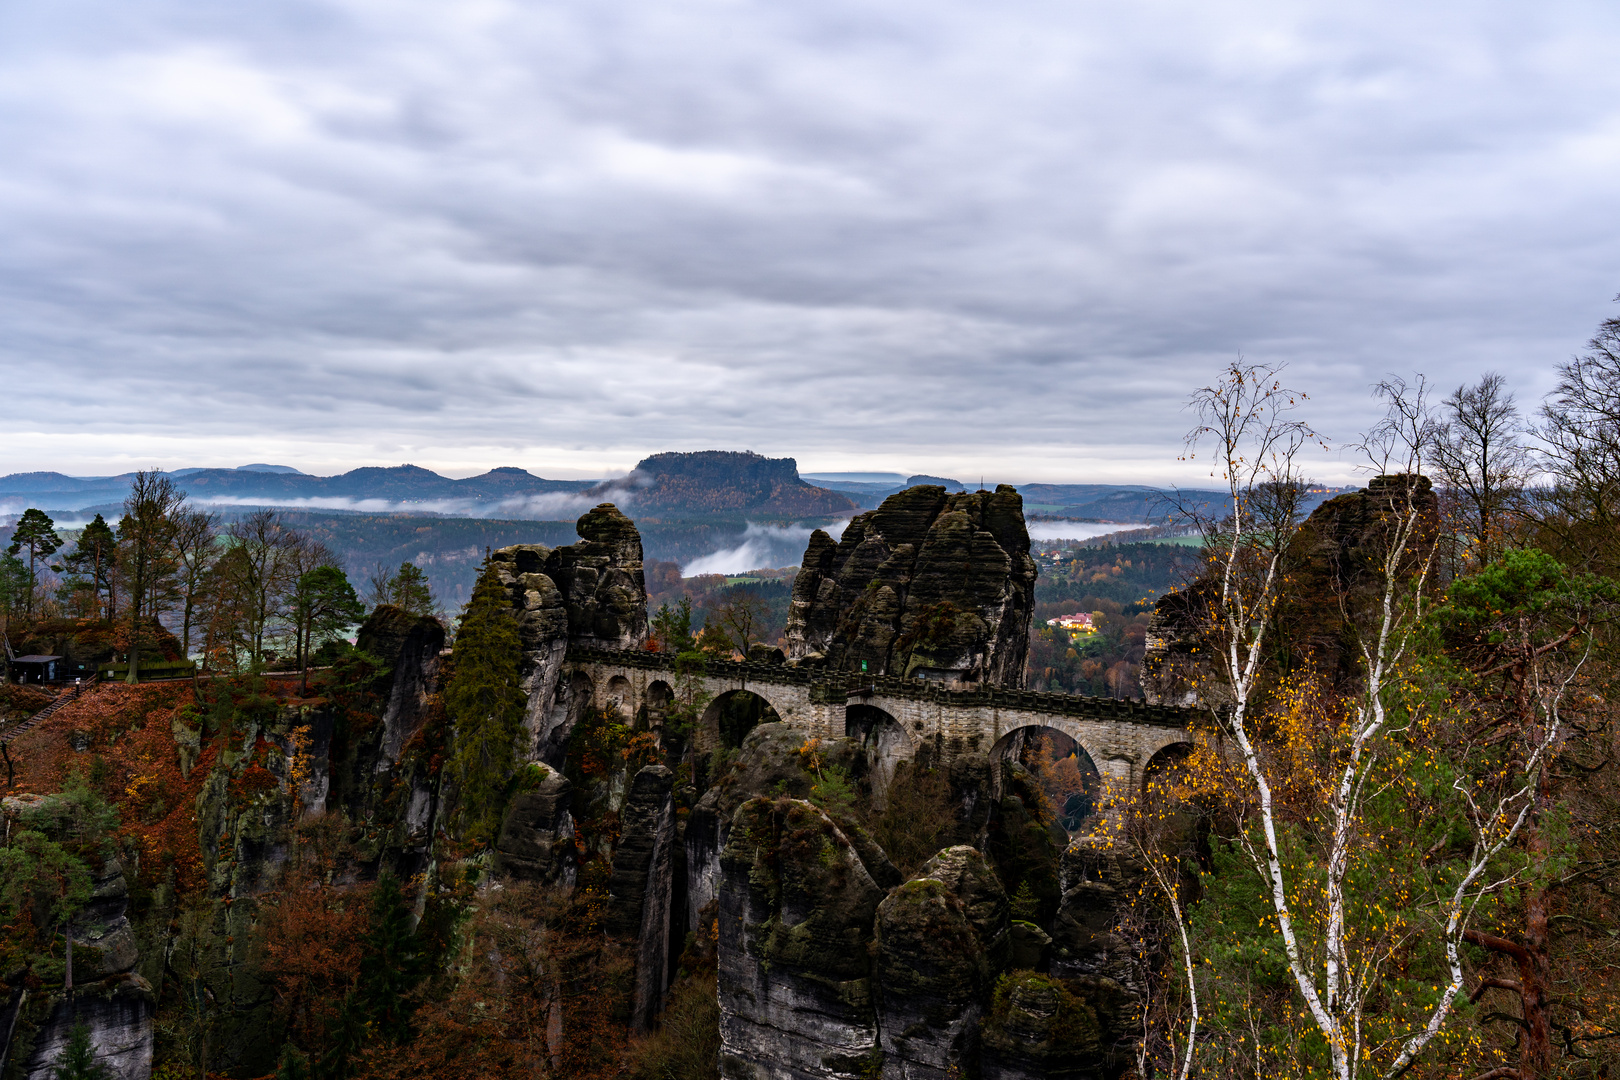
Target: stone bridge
(898, 716)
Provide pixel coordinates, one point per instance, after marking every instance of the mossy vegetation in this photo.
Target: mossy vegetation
(485, 703)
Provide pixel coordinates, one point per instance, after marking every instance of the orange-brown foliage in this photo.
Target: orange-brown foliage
(311, 932)
(543, 996)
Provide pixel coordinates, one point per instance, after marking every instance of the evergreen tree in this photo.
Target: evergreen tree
(36, 532)
(323, 604)
(344, 1041)
(16, 584)
(485, 704)
(390, 966)
(78, 1059)
(672, 627)
(294, 1064)
(95, 557)
(409, 591)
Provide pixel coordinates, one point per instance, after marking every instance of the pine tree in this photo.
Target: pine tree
(16, 584)
(1025, 908)
(485, 704)
(94, 557)
(344, 1041)
(78, 1059)
(294, 1064)
(323, 604)
(390, 966)
(36, 532)
(409, 591)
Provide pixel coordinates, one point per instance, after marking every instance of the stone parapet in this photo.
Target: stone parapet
(837, 688)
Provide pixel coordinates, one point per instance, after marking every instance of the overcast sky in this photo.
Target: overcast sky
(922, 236)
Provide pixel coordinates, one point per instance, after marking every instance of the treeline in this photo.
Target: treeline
(715, 599)
(171, 581)
(1391, 847)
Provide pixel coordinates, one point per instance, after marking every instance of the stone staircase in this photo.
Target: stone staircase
(61, 699)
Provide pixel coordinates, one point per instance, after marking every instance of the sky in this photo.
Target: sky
(947, 237)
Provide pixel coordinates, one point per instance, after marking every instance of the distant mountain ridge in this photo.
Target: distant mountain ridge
(670, 486)
(708, 484)
(400, 483)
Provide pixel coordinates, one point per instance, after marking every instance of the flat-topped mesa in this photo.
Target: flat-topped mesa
(929, 585)
(726, 482)
(591, 593)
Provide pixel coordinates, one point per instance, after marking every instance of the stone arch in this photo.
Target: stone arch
(581, 696)
(1164, 760)
(733, 714)
(886, 741)
(654, 704)
(619, 696)
(1062, 765)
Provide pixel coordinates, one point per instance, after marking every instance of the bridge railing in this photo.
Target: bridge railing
(837, 687)
(751, 671)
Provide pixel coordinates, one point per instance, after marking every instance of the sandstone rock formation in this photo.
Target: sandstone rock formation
(768, 763)
(591, 593)
(1334, 572)
(641, 887)
(536, 842)
(929, 585)
(410, 646)
(1039, 1027)
(941, 936)
(796, 916)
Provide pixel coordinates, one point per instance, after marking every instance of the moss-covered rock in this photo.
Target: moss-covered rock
(1041, 1027)
(928, 585)
(796, 919)
(965, 872)
(931, 972)
(1086, 942)
(536, 841)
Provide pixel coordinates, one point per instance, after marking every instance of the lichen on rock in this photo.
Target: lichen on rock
(928, 585)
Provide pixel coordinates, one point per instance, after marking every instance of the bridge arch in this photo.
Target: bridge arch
(733, 714)
(886, 740)
(1062, 766)
(1160, 771)
(581, 696)
(619, 696)
(654, 704)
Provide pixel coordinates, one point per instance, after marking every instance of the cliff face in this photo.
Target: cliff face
(591, 593)
(110, 998)
(929, 585)
(796, 917)
(834, 967)
(723, 481)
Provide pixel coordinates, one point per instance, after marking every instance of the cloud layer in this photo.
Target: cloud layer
(945, 236)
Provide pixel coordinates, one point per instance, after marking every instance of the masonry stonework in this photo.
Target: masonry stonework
(1122, 737)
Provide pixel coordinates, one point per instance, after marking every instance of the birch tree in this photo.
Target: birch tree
(1331, 791)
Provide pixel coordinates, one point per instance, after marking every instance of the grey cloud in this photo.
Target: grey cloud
(930, 234)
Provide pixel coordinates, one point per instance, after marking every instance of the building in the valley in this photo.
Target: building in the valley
(1078, 623)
